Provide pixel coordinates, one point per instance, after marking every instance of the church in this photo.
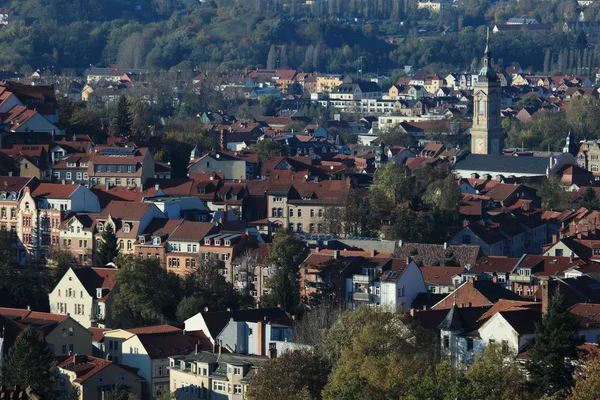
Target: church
(487, 137)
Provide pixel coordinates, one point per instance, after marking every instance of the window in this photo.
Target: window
(219, 386)
(122, 377)
(401, 291)
(505, 346)
(238, 370)
(469, 344)
(68, 176)
(100, 227)
(101, 378)
(299, 213)
(64, 349)
(559, 252)
(277, 199)
(446, 341)
(299, 229)
(225, 256)
(72, 330)
(126, 228)
(13, 212)
(312, 213)
(291, 212)
(237, 389)
(129, 245)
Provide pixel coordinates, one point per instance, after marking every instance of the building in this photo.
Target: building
(356, 91)
(204, 375)
(327, 82)
(128, 221)
(63, 334)
(76, 234)
(487, 135)
(120, 166)
(41, 210)
(228, 166)
(86, 294)
(93, 378)
(185, 243)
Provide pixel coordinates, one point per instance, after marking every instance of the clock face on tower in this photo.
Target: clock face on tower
(480, 146)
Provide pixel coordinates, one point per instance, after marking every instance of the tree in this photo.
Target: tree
(267, 148)
(147, 294)
(359, 345)
(290, 376)
(244, 113)
(270, 104)
(394, 182)
(121, 122)
(494, 376)
(118, 392)
(30, 362)
(109, 248)
(314, 322)
(286, 252)
(61, 261)
(207, 287)
(443, 197)
(589, 200)
(553, 350)
(587, 380)
(440, 382)
(188, 307)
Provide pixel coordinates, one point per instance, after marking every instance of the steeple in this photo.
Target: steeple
(487, 72)
(454, 321)
(195, 153)
(570, 145)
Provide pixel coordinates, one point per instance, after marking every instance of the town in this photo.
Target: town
(292, 216)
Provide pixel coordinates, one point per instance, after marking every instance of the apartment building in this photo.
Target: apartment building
(128, 220)
(184, 244)
(204, 375)
(40, 213)
(11, 191)
(120, 166)
(152, 241)
(300, 206)
(76, 234)
(86, 294)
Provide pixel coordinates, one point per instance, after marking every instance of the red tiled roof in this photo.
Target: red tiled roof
(54, 190)
(439, 275)
(96, 278)
(97, 333)
(144, 330)
(191, 231)
(126, 210)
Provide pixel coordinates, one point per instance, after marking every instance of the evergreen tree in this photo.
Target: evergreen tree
(30, 363)
(554, 347)
(122, 121)
(108, 249)
(589, 200)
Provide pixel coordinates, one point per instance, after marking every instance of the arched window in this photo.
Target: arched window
(100, 226)
(27, 205)
(481, 107)
(126, 228)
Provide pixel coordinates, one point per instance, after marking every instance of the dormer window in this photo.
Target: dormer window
(126, 228)
(207, 242)
(142, 240)
(227, 242)
(217, 242)
(100, 227)
(202, 191)
(156, 241)
(71, 164)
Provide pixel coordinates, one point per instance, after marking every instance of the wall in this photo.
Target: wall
(81, 339)
(229, 168)
(83, 200)
(81, 297)
(498, 329)
(141, 360)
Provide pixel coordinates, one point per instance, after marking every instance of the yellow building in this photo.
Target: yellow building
(326, 83)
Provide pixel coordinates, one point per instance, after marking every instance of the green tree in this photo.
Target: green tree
(495, 376)
(286, 252)
(440, 382)
(553, 350)
(148, 293)
(394, 182)
(589, 199)
(109, 248)
(267, 148)
(290, 376)
(118, 392)
(443, 197)
(30, 363)
(121, 122)
(188, 307)
(587, 380)
(207, 287)
(270, 105)
(61, 261)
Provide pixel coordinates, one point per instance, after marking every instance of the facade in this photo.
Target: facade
(487, 136)
(63, 334)
(203, 375)
(219, 163)
(86, 294)
(120, 166)
(76, 234)
(94, 377)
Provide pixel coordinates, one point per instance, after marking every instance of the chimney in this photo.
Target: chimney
(495, 278)
(157, 187)
(545, 295)
(196, 348)
(260, 340)
(336, 254)
(106, 184)
(571, 257)
(411, 312)
(465, 223)
(373, 253)
(445, 245)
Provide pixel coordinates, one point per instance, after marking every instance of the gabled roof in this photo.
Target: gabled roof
(439, 275)
(127, 210)
(54, 190)
(85, 367)
(163, 345)
(191, 231)
(454, 321)
(432, 254)
(216, 321)
(97, 278)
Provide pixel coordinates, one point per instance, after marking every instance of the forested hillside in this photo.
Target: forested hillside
(164, 34)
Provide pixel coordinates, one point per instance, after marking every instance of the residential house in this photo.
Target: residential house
(11, 192)
(356, 91)
(93, 378)
(73, 169)
(326, 83)
(63, 334)
(87, 295)
(152, 241)
(228, 166)
(250, 272)
(185, 245)
(441, 279)
(204, 375)
(476, 293)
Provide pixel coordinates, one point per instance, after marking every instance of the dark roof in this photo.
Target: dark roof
(216, 321)
(523, 321)
(494, 292)
(454, 321)
(436, 254)
(505, 164)
(432, 319)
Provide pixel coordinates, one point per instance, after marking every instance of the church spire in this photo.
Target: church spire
(487, 71)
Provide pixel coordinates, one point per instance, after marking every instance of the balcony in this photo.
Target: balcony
(357, 278)
(521, 278)
(360, 296)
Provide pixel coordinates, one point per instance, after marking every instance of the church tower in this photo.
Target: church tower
(487, 136)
